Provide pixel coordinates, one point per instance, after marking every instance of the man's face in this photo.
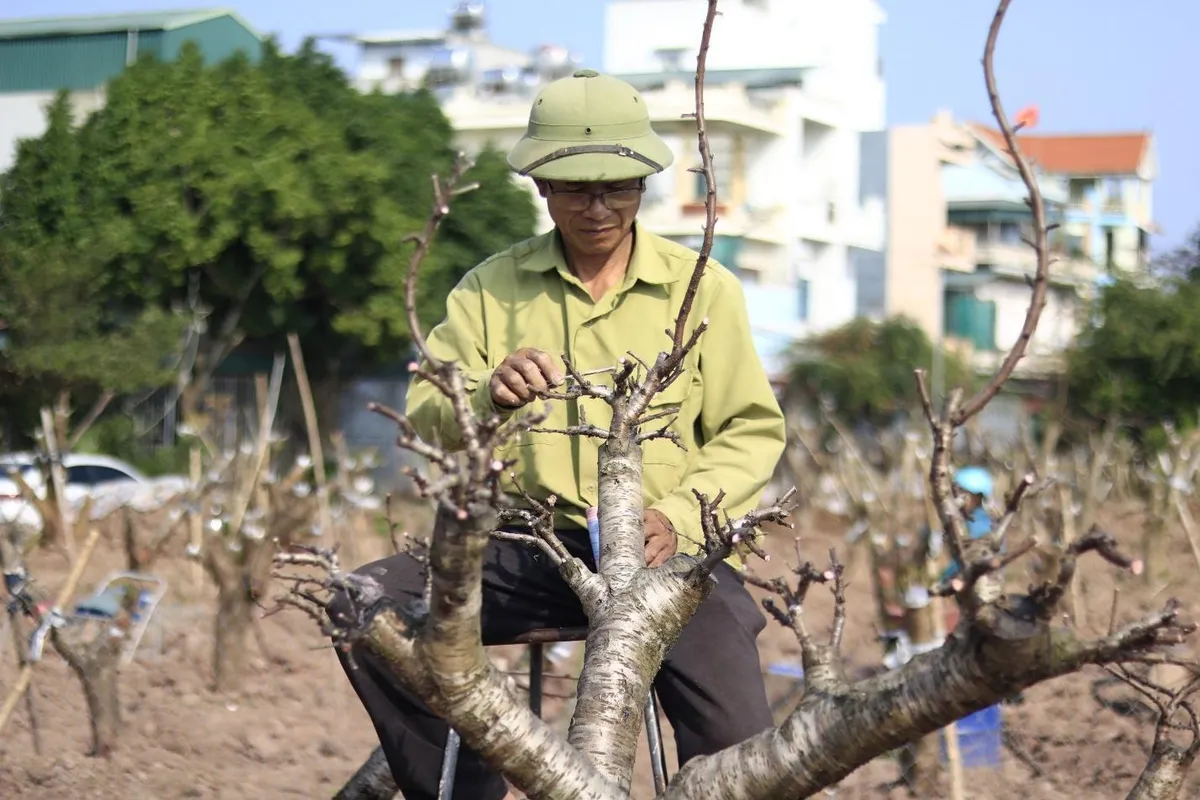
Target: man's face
(593, 217)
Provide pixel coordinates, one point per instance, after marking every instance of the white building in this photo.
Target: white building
(791, 87)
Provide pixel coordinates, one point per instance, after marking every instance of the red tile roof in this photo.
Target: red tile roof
(1088, 154)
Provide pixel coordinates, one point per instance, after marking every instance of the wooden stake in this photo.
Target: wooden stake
(58, 479)
(315, 450)
(196, 517)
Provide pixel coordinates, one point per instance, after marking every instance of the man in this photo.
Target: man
(594, 288)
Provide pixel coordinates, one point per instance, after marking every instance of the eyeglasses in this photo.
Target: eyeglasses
(613, 199)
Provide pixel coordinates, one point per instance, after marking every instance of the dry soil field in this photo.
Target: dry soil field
(297, 730)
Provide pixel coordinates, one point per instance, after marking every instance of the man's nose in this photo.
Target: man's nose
(596, 209)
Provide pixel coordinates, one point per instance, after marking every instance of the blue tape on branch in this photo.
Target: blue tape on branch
(593, 523)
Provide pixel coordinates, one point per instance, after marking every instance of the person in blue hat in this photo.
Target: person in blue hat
(977, 484)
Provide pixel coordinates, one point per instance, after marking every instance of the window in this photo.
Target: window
(1080, 190)
(101, 475)
(671, 59)
(396, 67)
(94, 475)
(967, 317)
(803, 298)
(1076, 246)
(1114, 192)
(78, 475)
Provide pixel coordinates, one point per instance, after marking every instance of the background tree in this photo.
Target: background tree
(1138, 354)
(865, 368)
(258, 199)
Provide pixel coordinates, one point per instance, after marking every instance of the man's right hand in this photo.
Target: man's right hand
(522, 376)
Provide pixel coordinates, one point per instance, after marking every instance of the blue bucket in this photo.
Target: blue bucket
(980, 738)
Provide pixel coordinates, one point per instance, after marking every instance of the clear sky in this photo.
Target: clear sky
(1090, 65)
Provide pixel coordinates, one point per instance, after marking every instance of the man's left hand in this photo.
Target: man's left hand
(661, 539)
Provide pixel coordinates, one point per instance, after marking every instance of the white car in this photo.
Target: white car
(110, 483)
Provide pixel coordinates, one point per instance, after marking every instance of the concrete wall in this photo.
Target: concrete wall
(916, 219)
(23, 116)
(1056, 328)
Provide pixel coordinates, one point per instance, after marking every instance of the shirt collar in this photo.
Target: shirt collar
(646, 264)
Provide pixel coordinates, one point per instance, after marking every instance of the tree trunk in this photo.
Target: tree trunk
(1164, 775)
(234, 610)
(101, 690)
(96, 660)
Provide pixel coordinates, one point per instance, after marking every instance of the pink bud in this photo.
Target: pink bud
(461, 514)
(412, 366)
(1137, 566)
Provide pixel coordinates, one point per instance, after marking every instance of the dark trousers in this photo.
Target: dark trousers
(710, 686)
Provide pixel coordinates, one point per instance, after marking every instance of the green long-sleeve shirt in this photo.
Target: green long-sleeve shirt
(730, 422)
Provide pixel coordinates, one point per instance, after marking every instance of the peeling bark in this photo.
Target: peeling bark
(438, 652)
(1164, 776)
(626, 645)
(833, 733)
(622, 547)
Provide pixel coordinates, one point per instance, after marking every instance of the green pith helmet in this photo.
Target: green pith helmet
(589, 127)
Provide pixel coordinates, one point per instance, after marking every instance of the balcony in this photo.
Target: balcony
(865, 226)
(1034, 366)
(955, 249)
(728, 105)
(761, 223)
(816, 219)
(1018, 260)
(470, 112)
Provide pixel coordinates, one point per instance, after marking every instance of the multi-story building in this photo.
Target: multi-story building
(790, 87)
(41, 57)
(784, 124)
(1110, 185)
(957, 260)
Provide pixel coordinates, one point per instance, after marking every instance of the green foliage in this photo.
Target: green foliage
(1138, 357)
(274, 196)
(412, 139)
(70, 327)
(866, 368)
(61, 337)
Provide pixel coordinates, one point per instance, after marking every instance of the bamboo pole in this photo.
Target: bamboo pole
(64, 595)
(315, 450)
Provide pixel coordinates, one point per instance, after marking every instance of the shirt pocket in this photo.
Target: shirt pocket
(662, 451)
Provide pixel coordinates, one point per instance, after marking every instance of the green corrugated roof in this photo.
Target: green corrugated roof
(110, 23)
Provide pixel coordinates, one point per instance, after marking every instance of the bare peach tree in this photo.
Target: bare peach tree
(1003, 642)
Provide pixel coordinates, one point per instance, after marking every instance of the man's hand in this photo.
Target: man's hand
(522, 376)
(661, 539)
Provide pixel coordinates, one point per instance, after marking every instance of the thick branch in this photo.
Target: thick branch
(831, 734)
